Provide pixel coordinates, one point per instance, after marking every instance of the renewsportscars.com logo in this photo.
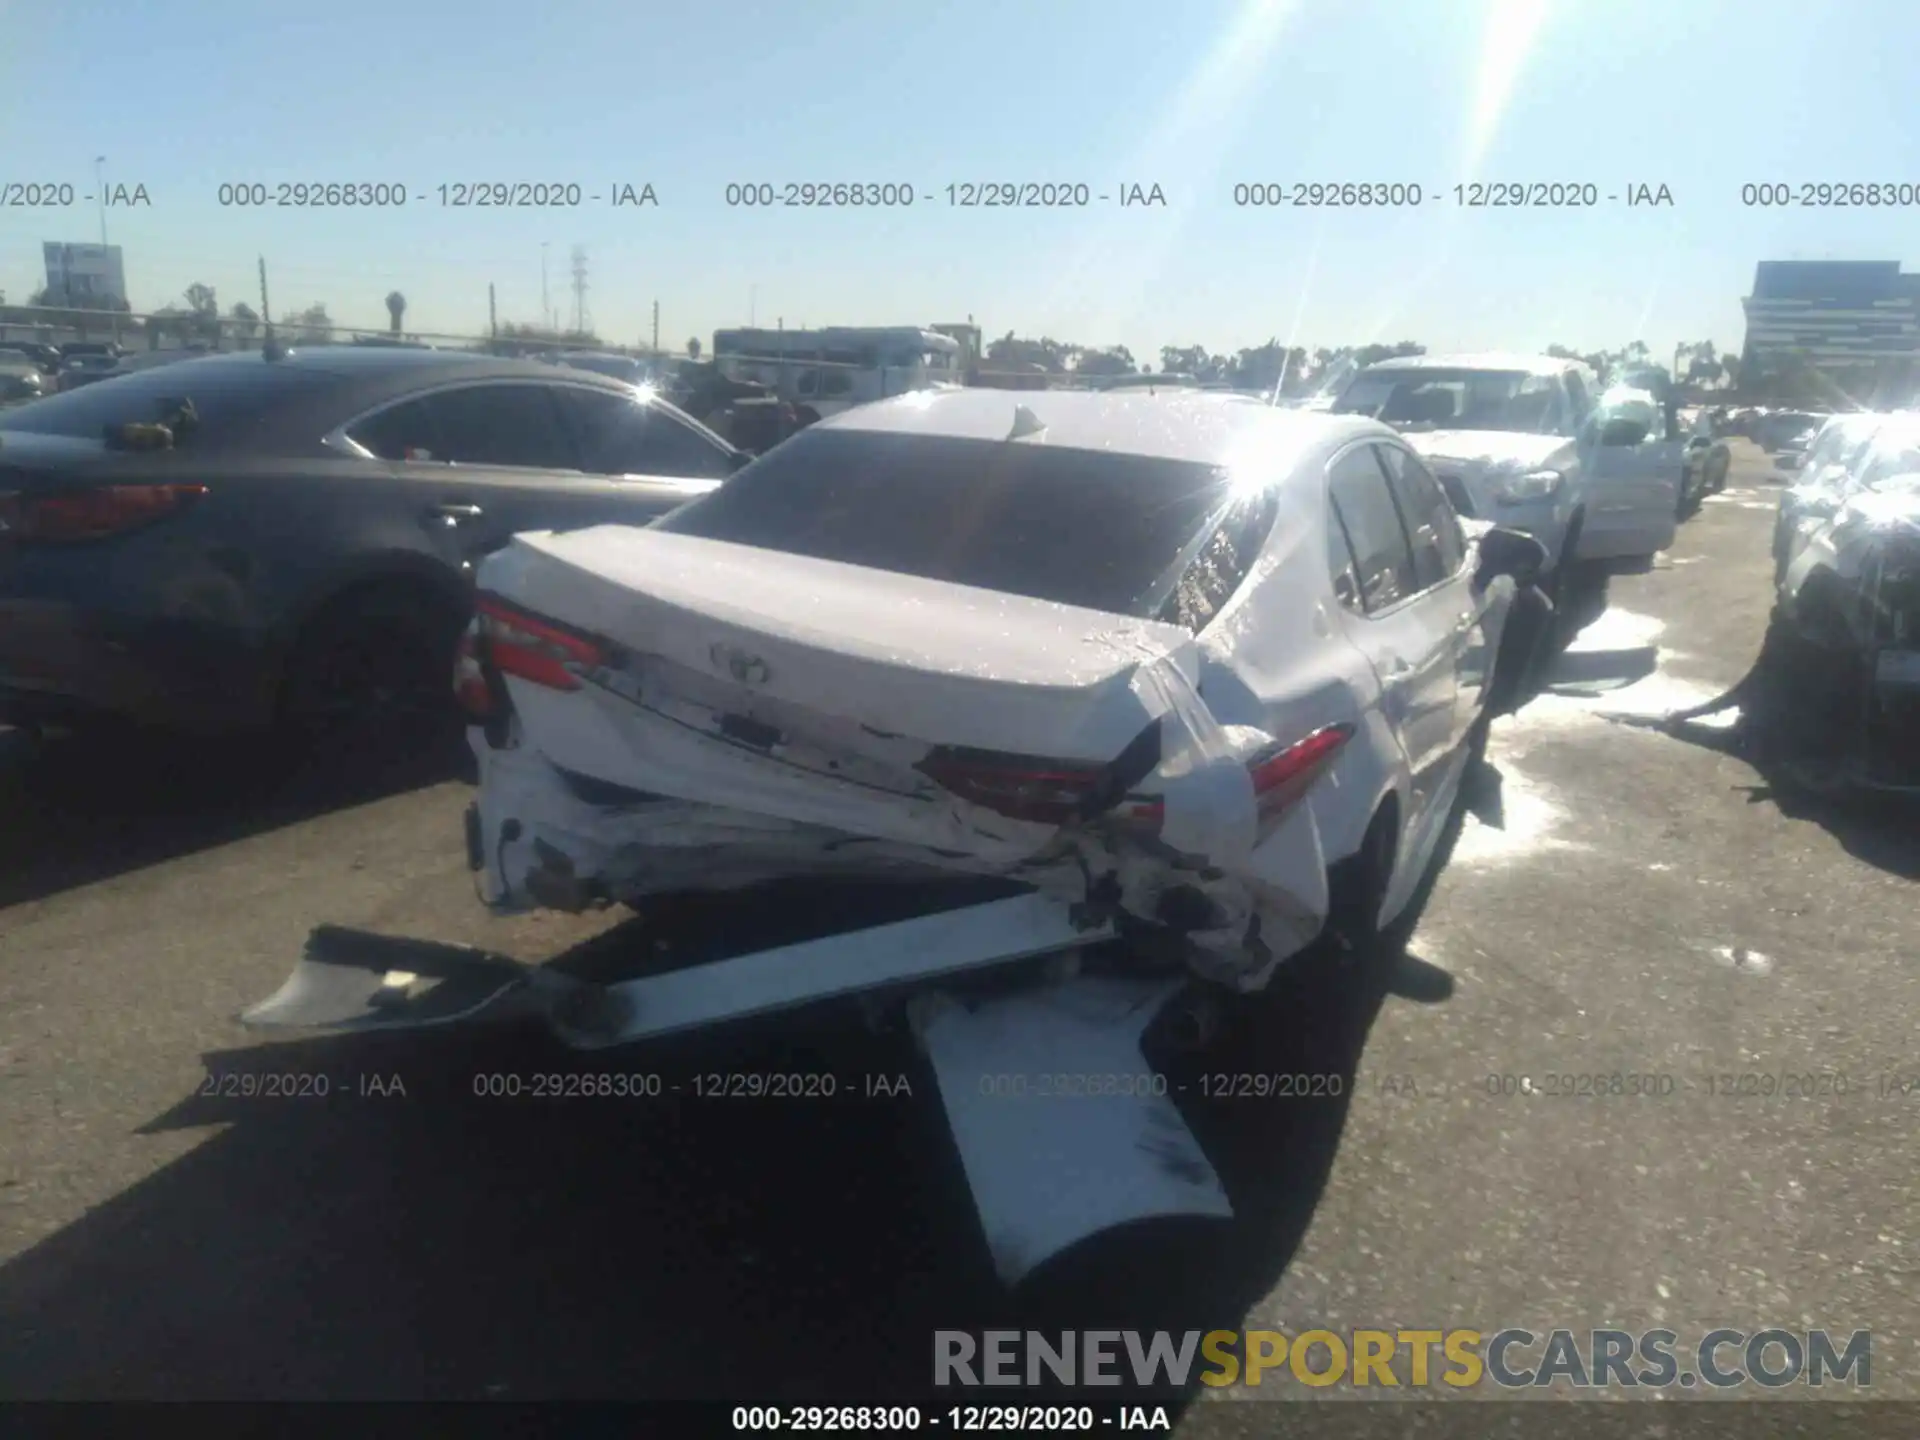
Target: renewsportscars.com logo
(1458, 1358)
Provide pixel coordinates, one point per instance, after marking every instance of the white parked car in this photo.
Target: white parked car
(1526, 441)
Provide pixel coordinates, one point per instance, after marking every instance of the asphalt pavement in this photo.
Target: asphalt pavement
(1645, 905)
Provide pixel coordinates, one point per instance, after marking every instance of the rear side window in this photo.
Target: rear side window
(1438, 547)
(625, 435)
(517, 425)
(399, 432)
(1346, 589)
(1223, 562)
(1095, 529)
(1383, 560)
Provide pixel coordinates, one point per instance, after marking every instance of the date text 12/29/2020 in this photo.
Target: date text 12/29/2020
(961, 1419)
(960, 195)
(300, 1085)
(452, 195)
(707, 1085)
(1477, 195)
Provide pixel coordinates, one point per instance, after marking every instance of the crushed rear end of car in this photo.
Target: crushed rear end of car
(1076, 849)
(710, 716)
(1847, 645)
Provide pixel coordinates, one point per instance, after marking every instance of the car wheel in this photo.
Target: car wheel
(1720, 476)
(1357, 888)
(371, 678)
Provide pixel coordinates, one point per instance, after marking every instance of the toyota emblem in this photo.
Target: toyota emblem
(744, 668)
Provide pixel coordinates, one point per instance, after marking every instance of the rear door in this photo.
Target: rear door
(1632, 491)
(492, 459)
(1440, 567)
(1404, 628)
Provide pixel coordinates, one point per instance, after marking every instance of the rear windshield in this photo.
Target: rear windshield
(1078, 527)
(221, 390)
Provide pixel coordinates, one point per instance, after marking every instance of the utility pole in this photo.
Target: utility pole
(546, 305)
(753, 306)
(579, 290)
(100, 190)
(656, 327)
(269, 347)
(493, 315)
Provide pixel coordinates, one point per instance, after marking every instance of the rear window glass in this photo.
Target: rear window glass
(1078, 527)
(221, 391)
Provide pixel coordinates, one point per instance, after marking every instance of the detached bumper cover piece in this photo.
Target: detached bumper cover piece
(1046, 1170)
(1049, 1170)
(350, 980)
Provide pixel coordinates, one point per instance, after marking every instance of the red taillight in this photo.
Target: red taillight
(1282, 775)
(95, 514)
(1046, 794)
(533, 649)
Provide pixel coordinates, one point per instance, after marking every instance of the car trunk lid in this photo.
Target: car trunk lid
(761, 633)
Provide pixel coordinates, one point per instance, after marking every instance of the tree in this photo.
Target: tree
(693, 348)
(1049, 355)
(1265, 366)
(1703, 365)
(396, 309)
(1194, 360)
(311, 326)
(246, 324)
(1113, 361)
(200, 300)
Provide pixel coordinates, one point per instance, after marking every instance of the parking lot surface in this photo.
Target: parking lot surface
(1645, 907)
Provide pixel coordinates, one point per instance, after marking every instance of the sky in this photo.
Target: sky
(1702, 97)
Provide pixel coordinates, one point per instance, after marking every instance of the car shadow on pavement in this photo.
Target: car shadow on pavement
(1881, 830)
(79, 809)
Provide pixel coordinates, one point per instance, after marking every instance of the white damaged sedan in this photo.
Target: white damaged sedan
(1172, 685)
(1213, 667)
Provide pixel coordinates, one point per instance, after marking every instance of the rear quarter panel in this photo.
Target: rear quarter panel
(1277, 657)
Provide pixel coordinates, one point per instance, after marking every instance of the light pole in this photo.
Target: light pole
(753, 305)
(100, 190)
(546, 305)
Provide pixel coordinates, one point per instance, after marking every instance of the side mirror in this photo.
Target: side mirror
(1509, 552)
(1623, 433)
(1788, 461)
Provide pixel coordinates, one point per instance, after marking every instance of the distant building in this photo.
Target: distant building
(1856, 321)
(969, 337)
(77, 271)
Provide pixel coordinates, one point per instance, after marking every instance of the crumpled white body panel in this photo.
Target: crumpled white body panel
(841, 794)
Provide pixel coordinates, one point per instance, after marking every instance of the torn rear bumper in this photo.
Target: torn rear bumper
(1047, 1168)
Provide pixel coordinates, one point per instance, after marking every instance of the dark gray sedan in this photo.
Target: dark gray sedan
(232, 541)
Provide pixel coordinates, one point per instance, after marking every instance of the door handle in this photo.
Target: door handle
(455, 512)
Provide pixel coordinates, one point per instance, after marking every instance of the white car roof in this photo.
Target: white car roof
(1480, 360)
(1198, 426)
